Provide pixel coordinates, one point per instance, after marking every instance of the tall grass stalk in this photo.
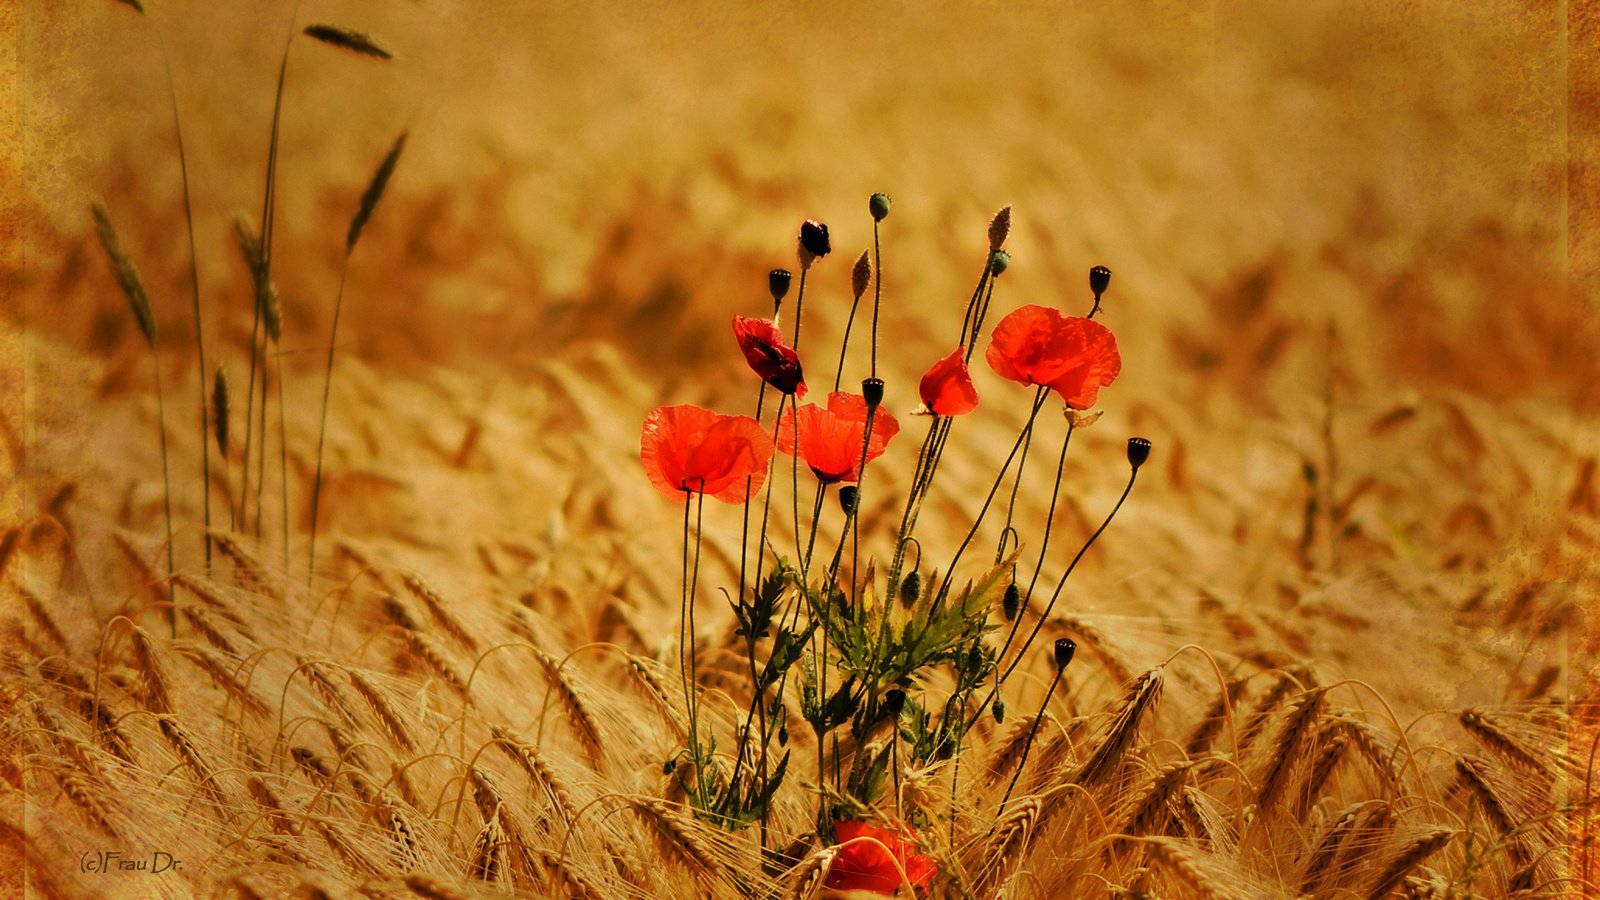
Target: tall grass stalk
(358, 222)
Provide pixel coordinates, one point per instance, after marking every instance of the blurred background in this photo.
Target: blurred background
(1352, 290)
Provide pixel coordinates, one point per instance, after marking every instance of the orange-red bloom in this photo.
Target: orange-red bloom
(947, 387)
(772, 359)
(831, 439)
(1072, 355)
(687, 449)
(867, 866)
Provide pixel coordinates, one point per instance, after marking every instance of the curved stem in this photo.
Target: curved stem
(322, 429)
(1028, 744)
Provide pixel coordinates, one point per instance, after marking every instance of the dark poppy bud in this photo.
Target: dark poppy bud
(842, 604)
(1011, 603)
(911, 590)
(1138, 452)
(813, 241)
(1065, 647)
(879, 205)
(848, 495)
(783, 735)
(894, 700)
(998, 710)
(1099, 280)
(974, 658)
(872, 391)
(999, 261)
(778, 284)
(668, 766)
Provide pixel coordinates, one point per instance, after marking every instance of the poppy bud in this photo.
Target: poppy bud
(842, 604)
(879, 205)
(813, 241)
(861, 275)
(1138, 452)
(911, 590)
(998, 710)
(999, 260)
(783, 735)
(974, 658)
(847, 499)
(894, 700)
(1011, 604)
(778, 284)
(1065, 647)
(872, 392)
(668, 766)
(999, 227)
(1099, 280)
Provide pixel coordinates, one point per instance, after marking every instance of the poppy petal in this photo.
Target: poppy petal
(947, 388)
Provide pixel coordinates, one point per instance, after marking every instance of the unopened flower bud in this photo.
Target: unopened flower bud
(974, 658)
(813, 241)
(999, 227)
(1011, 603)
(894, 700)
(668, 766)
(848, 495)
(783, 735)
(1138, 452)
(860, 275)
(1099, 280)
(998, 710)
(879, 205)
(778, 284)
(999, 261)
(872, 392)
(1065, 647)
(911, 590)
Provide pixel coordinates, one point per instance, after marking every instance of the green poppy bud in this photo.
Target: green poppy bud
(1011, 603)
(999, 261)
(879, 205)
(998, 710)
(911, 590)
(894, 700)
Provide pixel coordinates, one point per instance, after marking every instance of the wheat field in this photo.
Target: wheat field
(1340, 640)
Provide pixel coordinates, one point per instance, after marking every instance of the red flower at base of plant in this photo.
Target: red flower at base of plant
(947, 387)
(830, 439)
(869, 865)
(688, 449)
(776, 362)
(1072, 355)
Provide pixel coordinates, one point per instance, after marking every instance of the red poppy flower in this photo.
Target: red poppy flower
(1073, 356)
(687, 449)
(772, 359)
(869, 865)
(830, 439)
(947, 388)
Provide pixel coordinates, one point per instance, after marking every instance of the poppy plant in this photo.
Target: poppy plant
(872, 858)
(1071, 355)
(688, 449)
(767, 354)
(830, 439)
(947, 388)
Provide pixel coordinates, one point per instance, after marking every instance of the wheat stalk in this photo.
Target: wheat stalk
(1143, 696)
(1414, 853)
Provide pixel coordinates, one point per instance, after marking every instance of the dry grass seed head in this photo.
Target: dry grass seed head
(1293, 744)
(437, 607)
(677, 837)
(393, 725)
(538, 770)
(246, 570)
(573, 701)
(807, 878)
(488, 859)
(1140, 699)
(424, 648)
(1473, 776)
(1414, 853)
(155, 684)
(1503, 743)
(42, 618)
(348, 39)
(224, 673)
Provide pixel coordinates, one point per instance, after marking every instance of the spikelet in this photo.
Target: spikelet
(1320, 861)
(250, 574)
(1214, 720)
(1263, 711)
(155, 691)
(374, 191)
(393, 725)
(348, 39)
(87, 795)
(424, 648)
(127, 276)
(650, 686)
(566, 873)
(204, 774)
(807, 877)
(431, 888)
(1007, 846)
(1144, 695)
(42, 619)
(1293, 742)
(277, 814)
(1413, 854)
(1004, 759)
(441, 614)
(1472, 774)
(1149, 812)
(1502, 743)
(676, 836)
(583, 722)
(1187, 865)
(225, 675)
(539, 773)
(488, 861)
(327, 688)
(201, 620)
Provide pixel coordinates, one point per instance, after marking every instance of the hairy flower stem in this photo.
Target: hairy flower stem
(1011, 503)
(977, 321)
(686, 643)
(1044, 545)
(1038, 403)
(1027, 745)
(919, 481)
(877, 294)
(744, 531)
(766, 504)
(1132, 477)
(969, 325)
